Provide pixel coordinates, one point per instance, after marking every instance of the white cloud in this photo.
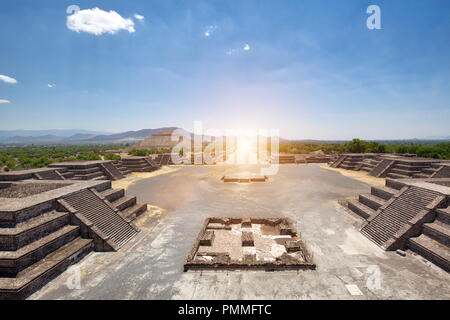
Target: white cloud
(50, 85)
(209, 30)
(4, 101)
(139, 17)
(97, 21)
(7, 79)
(235, 51)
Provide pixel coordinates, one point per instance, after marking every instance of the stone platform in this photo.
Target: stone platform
(244, 177)
(249, 244)
(47, 225)
(408, 214)
(90, 170)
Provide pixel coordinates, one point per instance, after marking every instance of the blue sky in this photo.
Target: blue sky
(311, 68)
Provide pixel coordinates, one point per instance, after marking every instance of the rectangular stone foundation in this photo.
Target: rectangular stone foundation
(248, 244)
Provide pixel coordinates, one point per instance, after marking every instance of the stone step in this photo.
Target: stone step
(381, 168)
(12, 262)
(113, 194)
(429, 171)
(346, 166)
(371, 201)
(443, 215)
(111, 171)
(438, 232)
(408, 167)
(143, 168)
(89, 176)
(134, 211)
(360, 209)
(84, 171)
(396, 216)
(421, 175)
(100, 178)
(431, 250)
(124, 202)
(68, 175)
(394, 184)
(31, 230)
(397, 176)
(383, 192)
(40, 273)
(338, 161)
(408, 173)
(111, 223)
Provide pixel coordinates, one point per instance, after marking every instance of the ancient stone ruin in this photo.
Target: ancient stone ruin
(408, 214)
(249, 244)
(393, 166)
(45, 226)
(244, 177)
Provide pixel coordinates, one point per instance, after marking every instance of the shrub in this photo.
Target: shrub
(111, 156)
(138, 152)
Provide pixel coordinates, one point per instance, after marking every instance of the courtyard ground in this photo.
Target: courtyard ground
(150, 266)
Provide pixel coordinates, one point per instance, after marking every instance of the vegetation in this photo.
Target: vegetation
(437, 150)
(146, 152)
(37, 157)
(111, 156)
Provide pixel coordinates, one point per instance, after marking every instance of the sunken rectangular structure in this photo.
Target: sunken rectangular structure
(249, 244)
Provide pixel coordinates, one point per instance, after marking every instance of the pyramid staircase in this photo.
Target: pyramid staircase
(402, 170)
(37, 249)
(398, 218)
(93, 173)
(64, 173)
(88, 170)
(439, 170)
(138, 164)
(338, 161)
(49, 175)
(355, 161)
(434, 242)
(35, 174)
(111, 171)
(403, 216)
(367, 205)
(382, 167)
(124, 170)
(369, 164)
(164, 159)
(352, 162)
(101, 220)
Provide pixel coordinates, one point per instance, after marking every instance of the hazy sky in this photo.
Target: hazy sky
(311, 69)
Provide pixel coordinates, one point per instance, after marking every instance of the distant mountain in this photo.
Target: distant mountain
(130, 135)
(74, 136)
(438, 138)
(79, 136)
(65, 133)
(27, 139)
